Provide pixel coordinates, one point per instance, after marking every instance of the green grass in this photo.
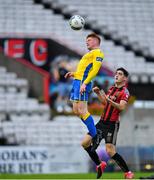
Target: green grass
(70, 176)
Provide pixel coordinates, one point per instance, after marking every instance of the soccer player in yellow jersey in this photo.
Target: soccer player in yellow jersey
(87, 69)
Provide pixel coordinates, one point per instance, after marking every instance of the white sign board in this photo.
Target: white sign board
(68, 160)
(26, 160)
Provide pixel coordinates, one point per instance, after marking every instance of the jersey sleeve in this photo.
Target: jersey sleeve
(125, 95)
(97, 63)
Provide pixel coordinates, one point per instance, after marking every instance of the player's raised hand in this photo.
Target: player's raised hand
(96, 90)
(69, 74)
(102, 93)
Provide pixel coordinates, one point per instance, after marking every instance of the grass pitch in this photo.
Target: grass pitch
(70, 176)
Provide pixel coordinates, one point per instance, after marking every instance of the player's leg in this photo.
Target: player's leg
(86, 144)
(80, 109)
(110, 140)
(100, 165)
(80, 106)
(86, 117)
(75, 108)
(96, 140)
(83, 110)
(100, 134)
(111, 150)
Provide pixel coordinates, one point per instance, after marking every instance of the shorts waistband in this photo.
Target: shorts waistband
(82, 81)
(107, 122)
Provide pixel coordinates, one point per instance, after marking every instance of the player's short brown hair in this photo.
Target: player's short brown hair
(94, 35)
(126, 73)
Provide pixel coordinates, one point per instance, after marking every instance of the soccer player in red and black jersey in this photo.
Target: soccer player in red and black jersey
(115, 101)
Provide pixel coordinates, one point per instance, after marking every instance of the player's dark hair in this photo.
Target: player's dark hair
(126, 73)
(94, 35)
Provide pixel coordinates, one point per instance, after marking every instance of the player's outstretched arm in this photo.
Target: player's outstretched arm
(93, 73)
(120, 106)
(69, 74)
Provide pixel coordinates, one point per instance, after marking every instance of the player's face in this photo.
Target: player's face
(120, 77)
(91, 43)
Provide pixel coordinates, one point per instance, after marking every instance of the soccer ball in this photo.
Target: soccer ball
(77, 22)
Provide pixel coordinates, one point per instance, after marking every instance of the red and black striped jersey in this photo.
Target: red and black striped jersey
(111, 113)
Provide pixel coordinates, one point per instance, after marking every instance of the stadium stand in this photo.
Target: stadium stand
(23, 120)
(25, 17)
(16, 105)
(115, 20)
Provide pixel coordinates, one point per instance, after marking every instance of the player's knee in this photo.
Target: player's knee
(75, 111)
(81, 112)
(85, 144)
(110, 151)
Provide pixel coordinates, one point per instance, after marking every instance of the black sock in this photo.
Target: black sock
(93, 155)
(120, 161)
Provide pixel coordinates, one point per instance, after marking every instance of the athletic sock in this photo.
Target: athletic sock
(121, 162)
(93, 155)
(89, 122)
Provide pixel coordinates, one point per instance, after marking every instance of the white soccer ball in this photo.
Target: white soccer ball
(77, 22)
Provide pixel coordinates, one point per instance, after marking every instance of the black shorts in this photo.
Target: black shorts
(108, 131)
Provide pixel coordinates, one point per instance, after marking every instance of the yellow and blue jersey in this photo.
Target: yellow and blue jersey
(89, 66)
(87, 69)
